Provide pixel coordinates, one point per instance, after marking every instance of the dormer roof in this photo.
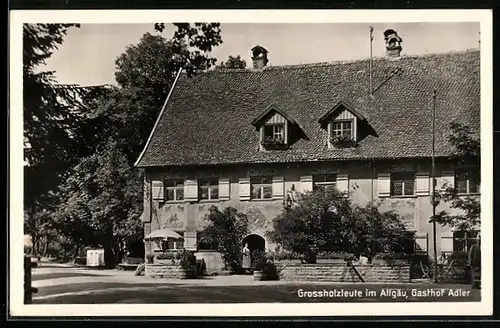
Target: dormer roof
(337, 109)
(261, 119)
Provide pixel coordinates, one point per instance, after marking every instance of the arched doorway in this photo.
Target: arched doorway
(255, 242)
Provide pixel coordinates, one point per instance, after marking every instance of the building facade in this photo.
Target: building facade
(253, 138)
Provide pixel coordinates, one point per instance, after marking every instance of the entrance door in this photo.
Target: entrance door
(255, 242)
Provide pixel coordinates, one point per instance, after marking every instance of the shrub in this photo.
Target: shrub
(326, 220)
(258, 260)
(335, 256)
(284, 255)
(175, 255)
(187, 261)
(224, 231)
(460, 258)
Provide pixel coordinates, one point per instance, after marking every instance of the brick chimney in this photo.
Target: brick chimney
(259, 57)
(392, 43)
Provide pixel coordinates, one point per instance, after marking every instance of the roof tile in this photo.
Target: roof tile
(208, 119)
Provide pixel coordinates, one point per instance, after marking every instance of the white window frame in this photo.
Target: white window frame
(403, 194)
(278, 131)
(468, 235)
(212, 184)
(176, 186)
(459, 173)
(342, 134)
(261, 185)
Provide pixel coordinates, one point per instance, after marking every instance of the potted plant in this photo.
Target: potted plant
(343, 141)
(331, 257)
(168, 258)
(150, 258)
(258, 264)
(188, 263)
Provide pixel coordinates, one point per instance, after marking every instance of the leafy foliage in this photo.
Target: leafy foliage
(325, 220)
(467, 209)
(52, 113)
(233, 63)
(200, 39)
(224, 232)
(95, 210)
(102, 205)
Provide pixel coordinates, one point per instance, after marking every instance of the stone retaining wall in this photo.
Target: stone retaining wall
(457, 274)
(166, 271)
(337, 272)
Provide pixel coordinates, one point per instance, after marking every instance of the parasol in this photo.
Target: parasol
(163, 234)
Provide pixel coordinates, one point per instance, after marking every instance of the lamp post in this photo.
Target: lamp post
(435, 198)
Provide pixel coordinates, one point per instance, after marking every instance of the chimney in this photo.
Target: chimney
(259, 57)
(392, 43)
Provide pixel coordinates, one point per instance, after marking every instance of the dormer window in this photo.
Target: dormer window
(342, 123)
(276, 129)
(343, 129)
(274, 134)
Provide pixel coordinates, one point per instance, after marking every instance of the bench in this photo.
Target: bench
(130, 263)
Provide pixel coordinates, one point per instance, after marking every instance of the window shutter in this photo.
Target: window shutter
(384, 184)
(190, 241)
(224, 189)
(278, 187)
(157, 190)
(447, 241)
(343, 182)
(422, 183)
(447, 177)
(190, 189)
(244, 188)
(306, 183)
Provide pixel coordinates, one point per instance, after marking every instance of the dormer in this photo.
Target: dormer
(275, 128)
(342, 124)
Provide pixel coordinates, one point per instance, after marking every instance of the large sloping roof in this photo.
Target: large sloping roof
(208, 118)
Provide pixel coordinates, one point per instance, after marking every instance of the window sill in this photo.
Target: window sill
(203, 201)
(468, 194)
(404, 196)
(174, 202)
(264, 199)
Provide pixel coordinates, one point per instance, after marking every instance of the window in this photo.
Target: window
(262, 188)
(466, 182)
(463, 240)
(402, 184)
(208, 189)
(274, 134)
(174, 190)
(324, 181)
(342, 129)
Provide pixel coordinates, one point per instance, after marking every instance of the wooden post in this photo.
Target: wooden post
(28, 290)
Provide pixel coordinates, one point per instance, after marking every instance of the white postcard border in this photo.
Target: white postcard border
(16, 253)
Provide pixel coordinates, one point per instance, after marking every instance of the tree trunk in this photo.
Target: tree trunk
(109, 257)
(77, 251)
(45, 247)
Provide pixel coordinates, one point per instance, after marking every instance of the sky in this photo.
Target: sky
(88, 54)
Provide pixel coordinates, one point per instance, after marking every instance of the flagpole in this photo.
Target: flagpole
(371, 56)
(433, 174)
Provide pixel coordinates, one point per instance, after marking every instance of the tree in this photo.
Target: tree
(103, 206)
(200, 39)
(224, 232)
(51, 114)
(117, 128)
(233, 63)
(325, 220)
(466, 151)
